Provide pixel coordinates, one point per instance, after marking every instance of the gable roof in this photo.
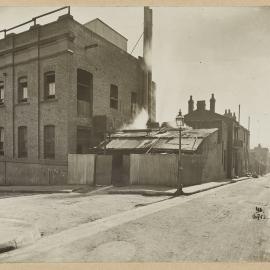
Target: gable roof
(215, 115)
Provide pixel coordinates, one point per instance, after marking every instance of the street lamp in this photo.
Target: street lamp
(179, 123)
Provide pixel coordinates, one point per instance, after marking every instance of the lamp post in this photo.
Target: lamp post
(179, 123)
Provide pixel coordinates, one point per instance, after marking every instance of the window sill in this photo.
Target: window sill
(47, 100)
(22, 158)
(22, 103)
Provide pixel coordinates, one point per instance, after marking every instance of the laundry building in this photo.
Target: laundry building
(150, 156)
(63, 85)
(233, 137)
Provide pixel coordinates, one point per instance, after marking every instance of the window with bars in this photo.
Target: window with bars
(114, 97)
(84, 93)
(2, 92)
(49, 85)
(133, 103)
(22, 89)
(83, 140)
(22, 141)
(49, 141)
(2, 140)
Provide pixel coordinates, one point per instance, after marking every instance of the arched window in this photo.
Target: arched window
(2, 92)
(22, 141)
(49, 85)
(22, 89)
(49, 141)
(2, 140)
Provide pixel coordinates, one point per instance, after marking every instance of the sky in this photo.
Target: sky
(196, 51)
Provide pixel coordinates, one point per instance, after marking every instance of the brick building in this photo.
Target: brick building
(233, 137)
(259, 160)
(63, 85)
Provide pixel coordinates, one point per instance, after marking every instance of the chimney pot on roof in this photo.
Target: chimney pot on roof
(190, 105)
(212, 103)
(201, 105)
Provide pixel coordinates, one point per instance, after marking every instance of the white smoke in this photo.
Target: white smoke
(139, 122)
(148, 59)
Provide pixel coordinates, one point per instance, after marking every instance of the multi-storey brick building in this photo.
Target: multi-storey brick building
(233, 137)
(62, 86)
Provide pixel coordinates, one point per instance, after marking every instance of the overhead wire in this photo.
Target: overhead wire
(136, 43)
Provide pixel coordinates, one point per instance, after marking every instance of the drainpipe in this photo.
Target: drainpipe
(13, 98)
(38, 79)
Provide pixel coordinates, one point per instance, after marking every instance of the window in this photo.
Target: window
(225, 160)
(83, 140)
(49, 85)
(2, 138)
(22, 142)
(222, 153)
(133, 103)
(22, 89)
(49, 141)
(2, 92)
(84, 93)
(114, 97)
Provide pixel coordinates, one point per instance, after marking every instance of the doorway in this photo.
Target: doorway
(117, 170)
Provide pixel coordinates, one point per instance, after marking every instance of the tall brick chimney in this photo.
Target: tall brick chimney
(147, 57)
(201, 105)
(190, 105)
(212, 103)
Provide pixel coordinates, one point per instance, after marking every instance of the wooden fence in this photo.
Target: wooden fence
(81, 169)
(89, 169)
(161, 169)
(153, 169)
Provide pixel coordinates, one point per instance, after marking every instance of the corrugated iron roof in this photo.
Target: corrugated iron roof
(159, 139)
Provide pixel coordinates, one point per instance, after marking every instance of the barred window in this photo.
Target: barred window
(49, 141)
(114, 96)
(22, 141)
(133, 103)
(2, 140)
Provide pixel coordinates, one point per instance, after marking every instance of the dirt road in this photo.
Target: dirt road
(215, 225)
(53, 213)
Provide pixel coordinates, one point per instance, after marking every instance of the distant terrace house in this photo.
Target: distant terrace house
(233, 137)
(259, 160)
(63, 85)
(149, 157)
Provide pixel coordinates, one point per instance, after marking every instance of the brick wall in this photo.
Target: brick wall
(63, 50)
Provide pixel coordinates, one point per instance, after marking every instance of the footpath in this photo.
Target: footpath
(166, 191)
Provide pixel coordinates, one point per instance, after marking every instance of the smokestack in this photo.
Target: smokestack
(190, 105)
(147, 57)
(239, 113)
(212, 103)
(248, 123)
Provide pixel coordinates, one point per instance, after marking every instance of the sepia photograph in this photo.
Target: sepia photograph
(134, 134)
